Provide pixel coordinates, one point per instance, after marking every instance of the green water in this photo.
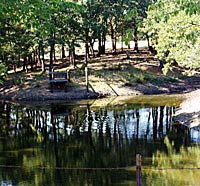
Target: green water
(95, 142)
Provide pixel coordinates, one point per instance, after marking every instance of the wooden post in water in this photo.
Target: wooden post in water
(139, 169)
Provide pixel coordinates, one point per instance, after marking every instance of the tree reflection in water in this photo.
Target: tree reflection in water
(73, 144)
(174, 168)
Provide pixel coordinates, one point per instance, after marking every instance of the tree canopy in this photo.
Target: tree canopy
(30, 28)
(174, 29)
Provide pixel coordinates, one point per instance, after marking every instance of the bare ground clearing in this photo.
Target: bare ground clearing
(109, 75)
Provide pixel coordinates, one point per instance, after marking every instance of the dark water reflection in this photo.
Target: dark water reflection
(69, 144)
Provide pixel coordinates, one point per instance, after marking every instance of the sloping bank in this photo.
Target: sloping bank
(43, 93)
(97, 90)
(189, 111)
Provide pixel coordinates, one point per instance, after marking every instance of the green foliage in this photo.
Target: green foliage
(128, 36)
(28, 27)
(3, 72)
(137, 77)
(134, 17)
(175, 33)
(173, 159)
(190, 7)
(115, 67)
(19, 81)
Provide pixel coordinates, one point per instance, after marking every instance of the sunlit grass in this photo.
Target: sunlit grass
(126, 183)
(116, 73)
(171, 177)
(136, 77)
(167, 79)
(187, 157)
(173, 168)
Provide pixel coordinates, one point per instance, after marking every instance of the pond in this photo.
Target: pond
(95, 142)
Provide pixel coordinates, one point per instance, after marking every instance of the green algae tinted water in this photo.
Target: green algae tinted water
(95, 143)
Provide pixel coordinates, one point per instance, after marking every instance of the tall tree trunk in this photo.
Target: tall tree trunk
(63, 51)
(129, 46)
(86, 59)
(87, 54)
(136, 39)
(14, 64)
(24, 63)
(51, 53)
(150, 48)
(99, 46)
(41, 53)
(113, 38)
(104, 43)
(34, 59)
(122, 43)
(43, 59)
(54, 50)
(74, 55)
(148, 41)
(92, 47)
(30, 59)
(18, 64)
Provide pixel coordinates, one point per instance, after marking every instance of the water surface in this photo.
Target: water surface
(95, 142)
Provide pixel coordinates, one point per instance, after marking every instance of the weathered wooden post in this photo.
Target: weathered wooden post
(139, 169)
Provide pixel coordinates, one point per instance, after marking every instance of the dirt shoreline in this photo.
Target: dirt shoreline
(189, 111)
(17, 93)
(187, 114)
(109, 77)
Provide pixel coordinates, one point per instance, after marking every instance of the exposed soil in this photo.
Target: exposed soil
(106, 77)
(189, 111)
(110, 75)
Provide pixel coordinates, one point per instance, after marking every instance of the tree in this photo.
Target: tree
(175, 33)
(31, 28)
(69, 27)
(3, 72)
(134, 14)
